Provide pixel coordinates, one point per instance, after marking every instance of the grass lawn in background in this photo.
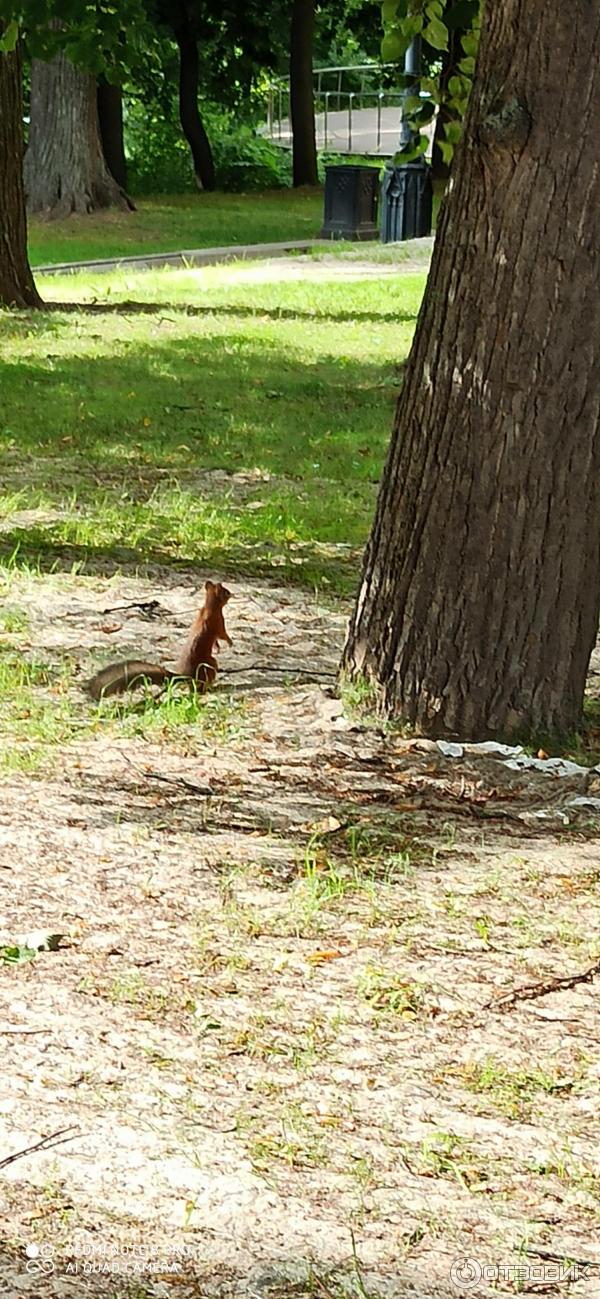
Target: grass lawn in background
(169, 223)
(174, 222)
(125, 422)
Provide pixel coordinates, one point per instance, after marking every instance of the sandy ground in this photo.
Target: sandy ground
(267, 1022)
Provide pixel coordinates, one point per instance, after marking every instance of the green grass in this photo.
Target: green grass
(169, 223)
(185, 419)
(116, 417)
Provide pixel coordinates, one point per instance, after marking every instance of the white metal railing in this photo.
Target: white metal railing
(336, 106)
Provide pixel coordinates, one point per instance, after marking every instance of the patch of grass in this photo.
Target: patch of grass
(150, 1001)
(230, 426)
(394, 845)
(361, 700)
(513, 1092)
(390, 994)
(14, 620)
(171, 222)
(447, 1155)
(291, 1137)
(179, 713)
(35, 713)
(585, 747)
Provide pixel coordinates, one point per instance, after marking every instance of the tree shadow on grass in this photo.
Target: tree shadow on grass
(228, 453)
(228, 309)
(27, 549)
(195, 403)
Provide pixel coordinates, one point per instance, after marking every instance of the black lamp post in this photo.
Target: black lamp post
(406, 190)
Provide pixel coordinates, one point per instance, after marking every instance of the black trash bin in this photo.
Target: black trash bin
(351, 195)
(406, 201)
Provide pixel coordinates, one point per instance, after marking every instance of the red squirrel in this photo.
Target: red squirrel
(196, 661)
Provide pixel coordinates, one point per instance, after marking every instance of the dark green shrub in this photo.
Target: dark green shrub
(159, 160)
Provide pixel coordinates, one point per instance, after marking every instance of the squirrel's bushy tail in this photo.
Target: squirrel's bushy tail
(126, 676)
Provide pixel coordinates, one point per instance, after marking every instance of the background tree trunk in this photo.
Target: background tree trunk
(65, 170)
(302, 104)
(189, 114)
(480, 596)
(16, 281)
(110, 118)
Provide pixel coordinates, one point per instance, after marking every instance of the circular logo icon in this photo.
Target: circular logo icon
(465, 1273)
(40, 1258)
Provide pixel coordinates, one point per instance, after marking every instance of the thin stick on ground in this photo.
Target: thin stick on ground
(47, 1143)
(176, 782)
(264, 667)
(532, 990)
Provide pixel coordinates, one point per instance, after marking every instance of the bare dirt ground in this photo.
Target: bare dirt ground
(267, 1024)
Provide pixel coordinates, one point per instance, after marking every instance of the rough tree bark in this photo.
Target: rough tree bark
(16, 281)
(302, 104)
(480, 595)
(110, 119)
(65, 170)
(189, 114)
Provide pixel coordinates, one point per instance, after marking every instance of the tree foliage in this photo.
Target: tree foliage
(433, 21)
(103, 37)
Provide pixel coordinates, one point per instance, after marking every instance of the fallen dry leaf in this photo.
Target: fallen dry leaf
(317, 958)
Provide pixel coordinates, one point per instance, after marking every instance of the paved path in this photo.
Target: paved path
(187, 257)
(413, 250)
(361, 132)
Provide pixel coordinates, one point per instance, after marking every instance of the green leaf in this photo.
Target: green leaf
(469, 42)
(467, 66)
(16, 955)
(9, 38)
(459, 87)
(412, 25)
(425, 115)
(452, 132)
(411, 151)
(436, 34)
(393, 46)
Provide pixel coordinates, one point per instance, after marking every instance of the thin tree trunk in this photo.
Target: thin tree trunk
(480, 596)
(110, 118)
(302, 104)
(17, 288)
(65, 170)
(189, 114)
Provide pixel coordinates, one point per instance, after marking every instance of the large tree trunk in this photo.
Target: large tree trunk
(302, 104)
(65, 170)
(110, 119)
(16, 281)
(479, 602)
(189, 115)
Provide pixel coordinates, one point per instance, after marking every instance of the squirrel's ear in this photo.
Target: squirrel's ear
(208, 586)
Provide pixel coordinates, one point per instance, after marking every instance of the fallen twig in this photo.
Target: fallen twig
(176, 781)
(150, 607)
(264, 667)
(532, 990)
(55, 1139)
(25, 1030)
(559, 1257)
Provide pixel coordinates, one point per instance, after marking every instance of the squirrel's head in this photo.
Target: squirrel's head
(216, 593)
